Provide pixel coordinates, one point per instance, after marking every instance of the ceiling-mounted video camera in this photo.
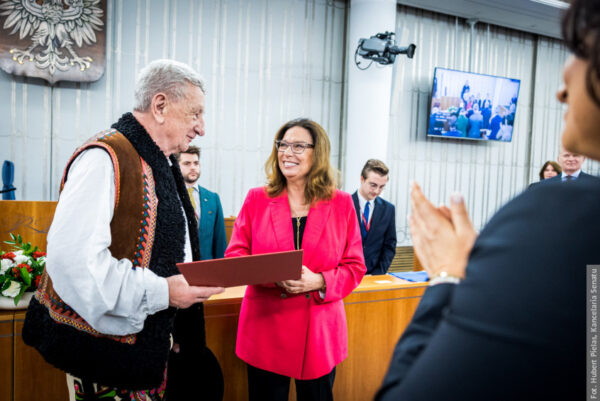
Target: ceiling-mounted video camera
(382, 49)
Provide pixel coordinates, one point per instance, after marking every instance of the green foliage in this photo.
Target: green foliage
(22, 276)
(17, 244)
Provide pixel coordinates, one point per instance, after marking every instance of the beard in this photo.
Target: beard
(191, 178)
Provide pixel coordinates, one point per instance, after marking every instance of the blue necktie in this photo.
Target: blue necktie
(366, 212)
(568, 178)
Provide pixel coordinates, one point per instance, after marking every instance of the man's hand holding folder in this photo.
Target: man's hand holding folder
(183, 295)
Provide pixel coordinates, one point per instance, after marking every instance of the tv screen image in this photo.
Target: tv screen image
(465, 105)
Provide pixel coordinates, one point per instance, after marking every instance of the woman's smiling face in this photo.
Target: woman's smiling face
(296, 166)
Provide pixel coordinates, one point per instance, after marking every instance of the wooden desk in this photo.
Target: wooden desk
(378, 311)
(24, 375)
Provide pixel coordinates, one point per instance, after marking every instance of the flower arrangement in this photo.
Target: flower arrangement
(21, 269)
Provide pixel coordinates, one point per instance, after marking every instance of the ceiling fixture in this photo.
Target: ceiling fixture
(553, 3)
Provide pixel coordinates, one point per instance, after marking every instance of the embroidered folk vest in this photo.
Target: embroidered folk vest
(146, 229)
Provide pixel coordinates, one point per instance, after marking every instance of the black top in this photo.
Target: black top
(298, 230)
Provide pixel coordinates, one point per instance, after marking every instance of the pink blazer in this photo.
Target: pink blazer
(301, 336)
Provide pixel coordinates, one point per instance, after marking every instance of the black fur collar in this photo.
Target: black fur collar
(170, 189)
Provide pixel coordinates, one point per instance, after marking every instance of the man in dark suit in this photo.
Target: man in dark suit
(188, 342)
(571, 167)
(377, 218)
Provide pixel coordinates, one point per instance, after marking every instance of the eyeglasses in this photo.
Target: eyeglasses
(297, 147)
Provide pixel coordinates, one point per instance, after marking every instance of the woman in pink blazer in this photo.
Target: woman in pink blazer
(297, 328)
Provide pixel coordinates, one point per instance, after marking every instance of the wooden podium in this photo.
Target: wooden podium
(30, 219)
(24, 375)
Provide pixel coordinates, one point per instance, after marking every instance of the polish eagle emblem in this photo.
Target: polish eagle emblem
(56, 28)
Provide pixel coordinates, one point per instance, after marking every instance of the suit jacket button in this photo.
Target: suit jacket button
(307, 296)
(283, 295)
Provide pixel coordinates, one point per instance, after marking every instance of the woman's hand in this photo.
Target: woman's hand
(309, 281)
(442, 237)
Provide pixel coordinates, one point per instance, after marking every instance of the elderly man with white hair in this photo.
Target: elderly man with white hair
(106, 304)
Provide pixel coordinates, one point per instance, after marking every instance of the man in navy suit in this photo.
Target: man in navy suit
(571, 167)
(211, 227)
(377, 218)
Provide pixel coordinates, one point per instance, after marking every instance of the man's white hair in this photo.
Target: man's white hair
(168, 76)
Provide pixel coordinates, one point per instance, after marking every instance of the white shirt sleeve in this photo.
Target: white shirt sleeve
(108, 293)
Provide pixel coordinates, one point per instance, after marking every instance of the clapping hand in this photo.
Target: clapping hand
(442, 237)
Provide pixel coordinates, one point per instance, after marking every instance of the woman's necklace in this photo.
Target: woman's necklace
(299, 214)
(298, 232)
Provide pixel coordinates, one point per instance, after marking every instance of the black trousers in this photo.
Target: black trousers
(268, 386)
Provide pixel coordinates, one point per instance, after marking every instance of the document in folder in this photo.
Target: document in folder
(244, 270)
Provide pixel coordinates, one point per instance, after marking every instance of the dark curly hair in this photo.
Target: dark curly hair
(581, 31)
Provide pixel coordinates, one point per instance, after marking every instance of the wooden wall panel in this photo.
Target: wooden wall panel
(221, 321)
(34, 378)
(375, 322)
(6, 355)
(229, 222)
(28, 218)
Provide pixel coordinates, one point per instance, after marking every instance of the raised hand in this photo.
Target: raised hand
(442, 237)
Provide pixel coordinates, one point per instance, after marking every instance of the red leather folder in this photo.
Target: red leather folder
(244, 270)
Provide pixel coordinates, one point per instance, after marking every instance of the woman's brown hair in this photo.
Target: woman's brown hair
(320, 182)
(554, 164)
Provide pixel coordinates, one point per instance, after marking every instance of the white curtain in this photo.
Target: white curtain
(264, 61)
(267, 61)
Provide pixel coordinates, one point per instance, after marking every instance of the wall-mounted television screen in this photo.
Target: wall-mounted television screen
(465, 105)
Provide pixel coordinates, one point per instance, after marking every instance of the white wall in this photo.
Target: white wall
(265, 62)
(488, 174)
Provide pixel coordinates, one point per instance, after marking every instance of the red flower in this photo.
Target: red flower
(8, 255)
(17, 269)
(37, 281)
(38, 254)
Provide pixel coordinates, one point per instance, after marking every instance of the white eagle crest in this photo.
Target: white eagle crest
(53, 25)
